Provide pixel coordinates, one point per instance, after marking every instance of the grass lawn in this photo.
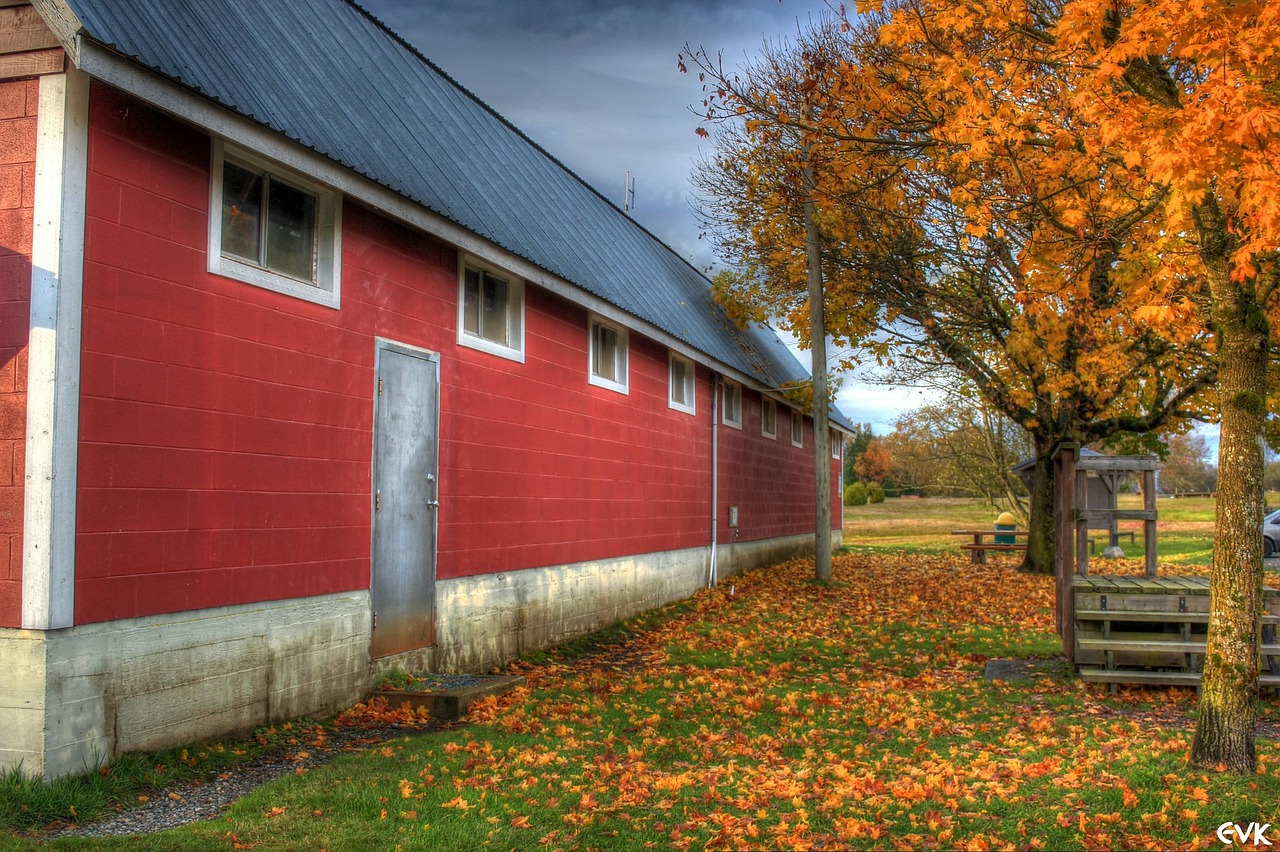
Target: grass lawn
(775, 713)
(1184, 534)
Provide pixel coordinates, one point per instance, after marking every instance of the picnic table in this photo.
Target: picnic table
(981, 544)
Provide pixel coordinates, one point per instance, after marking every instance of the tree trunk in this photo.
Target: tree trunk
(1040, 527)
(818, 369)
(1225, 728)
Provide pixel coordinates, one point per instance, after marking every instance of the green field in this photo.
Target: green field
(1184, 534)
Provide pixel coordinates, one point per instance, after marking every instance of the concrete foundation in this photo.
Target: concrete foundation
(487, 620)
(75, 698)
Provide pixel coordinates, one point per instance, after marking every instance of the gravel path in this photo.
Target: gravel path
(194, 801)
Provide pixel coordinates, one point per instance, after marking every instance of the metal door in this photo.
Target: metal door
(405, 499)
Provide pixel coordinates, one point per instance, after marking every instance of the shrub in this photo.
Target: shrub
(855, 495)
(875, 493)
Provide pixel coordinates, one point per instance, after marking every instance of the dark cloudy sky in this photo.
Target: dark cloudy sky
(596, 84)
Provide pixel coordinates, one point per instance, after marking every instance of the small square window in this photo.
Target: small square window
(607, 356)
(732, 415)
(797, 428)
(491, 311)
(768, 417)
(682, 388)
(272, 228)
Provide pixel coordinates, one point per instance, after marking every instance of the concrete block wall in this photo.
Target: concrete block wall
(78, 697)
(489, 619)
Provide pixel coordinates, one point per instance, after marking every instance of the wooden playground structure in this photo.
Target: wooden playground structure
(1132, 629)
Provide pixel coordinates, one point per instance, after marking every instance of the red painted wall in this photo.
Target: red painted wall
(18, 106)
(226, 431)
(769, 479)
(538, 467)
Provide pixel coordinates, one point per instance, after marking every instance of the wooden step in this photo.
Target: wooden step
(1138, 615)
(1158, 678)
(1175, 645)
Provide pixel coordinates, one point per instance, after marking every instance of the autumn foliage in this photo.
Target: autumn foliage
(776, 713)
(1072, 204)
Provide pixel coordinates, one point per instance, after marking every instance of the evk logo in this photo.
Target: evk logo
(1230, 833)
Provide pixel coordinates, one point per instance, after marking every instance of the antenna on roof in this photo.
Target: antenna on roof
(629, 194)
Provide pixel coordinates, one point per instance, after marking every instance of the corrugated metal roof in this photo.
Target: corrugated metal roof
(330, 76)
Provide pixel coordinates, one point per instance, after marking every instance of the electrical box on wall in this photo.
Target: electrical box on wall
(733, 517)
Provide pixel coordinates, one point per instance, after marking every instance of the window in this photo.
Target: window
(797, 428)
(732, 415)
(837, 444)
(607, 356)
(768, 417)
(682, 387)
(491, 311)
(274, 229)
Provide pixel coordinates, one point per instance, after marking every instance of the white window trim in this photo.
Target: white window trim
(515, 293)
(624, 346)
(797, 435)
(724, 407)
(765, 402)
(691, 385)
(327, 288)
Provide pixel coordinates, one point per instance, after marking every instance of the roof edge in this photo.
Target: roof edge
(65, 25)
(417, 54)
(112, 68)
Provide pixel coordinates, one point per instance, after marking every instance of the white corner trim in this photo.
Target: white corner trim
(53, 377)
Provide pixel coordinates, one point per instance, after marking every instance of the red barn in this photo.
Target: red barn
(312, 365)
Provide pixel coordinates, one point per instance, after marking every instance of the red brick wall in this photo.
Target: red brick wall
(226, 431)
(19, 101)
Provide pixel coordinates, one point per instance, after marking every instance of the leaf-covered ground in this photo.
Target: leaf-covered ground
(775, 713)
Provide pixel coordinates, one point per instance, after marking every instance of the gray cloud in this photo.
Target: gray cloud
(596, 83)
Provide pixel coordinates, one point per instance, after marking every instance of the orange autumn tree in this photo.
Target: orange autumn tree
(1188, 93)
(875, 464)
(941, 252)
(1181, 98)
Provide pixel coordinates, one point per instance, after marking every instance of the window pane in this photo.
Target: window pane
(291, 231)
(241, 212)
(733, 403)
(679, 390)
(513, 319)
(493, 311)
(471, 302)
(604, 352)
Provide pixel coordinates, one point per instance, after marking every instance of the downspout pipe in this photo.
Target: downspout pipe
(712, 574)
